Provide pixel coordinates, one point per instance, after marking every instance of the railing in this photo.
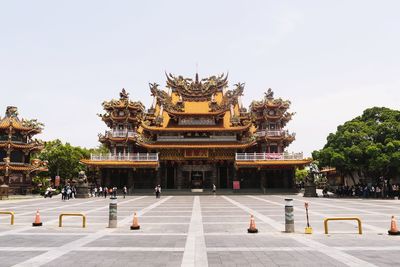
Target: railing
(122, 133)
(15, 163)
(125, 157)
(282, 133)
(268, 156)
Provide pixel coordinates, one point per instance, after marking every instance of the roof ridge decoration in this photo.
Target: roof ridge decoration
(123, 102)
(12, 112)
(229, 98)
(197, 90)
(164, 99)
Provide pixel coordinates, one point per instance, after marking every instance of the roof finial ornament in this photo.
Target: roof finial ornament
(269, 94)
(124, 94)
(11, 111)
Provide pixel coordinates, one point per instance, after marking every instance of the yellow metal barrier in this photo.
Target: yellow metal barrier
(343, 219)
(72, 214)
(9, 213)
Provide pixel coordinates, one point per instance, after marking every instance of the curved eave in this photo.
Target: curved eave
(117, 139)
(266, 163)
(208, 146)
(22, 168)
(119, 118)
(111, 163)
(22, 146)
(20, 128)
(186, 114)
(196, 129)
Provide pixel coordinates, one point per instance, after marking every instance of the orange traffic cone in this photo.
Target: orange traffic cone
(393, 227)
(135, 225)
(252, 229)
(37, 221)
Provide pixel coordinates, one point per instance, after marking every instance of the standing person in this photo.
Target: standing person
(115, 191)
(95, 191)
(69, 192)
(214, 189)
(124, 191)
(63, 193)
(100, 191)
(157, 189)
(105, 191)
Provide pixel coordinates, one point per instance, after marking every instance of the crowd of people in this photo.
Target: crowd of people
(68, 192)
(105, 191)
(367, 191)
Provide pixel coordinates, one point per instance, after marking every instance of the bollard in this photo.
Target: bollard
(289, 216)
(112, 218)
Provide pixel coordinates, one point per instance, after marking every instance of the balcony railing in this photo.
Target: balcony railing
(120, 133)
(125, 157)
(268, 156)
(272, 133)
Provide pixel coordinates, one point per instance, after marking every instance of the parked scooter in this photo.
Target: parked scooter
(48, 193)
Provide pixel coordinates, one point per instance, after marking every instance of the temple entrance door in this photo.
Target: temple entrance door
(197, 179)
(170, 177)
(223, 177)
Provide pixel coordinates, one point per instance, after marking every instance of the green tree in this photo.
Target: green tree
(301, 175)
(368, 145)
(63, 159)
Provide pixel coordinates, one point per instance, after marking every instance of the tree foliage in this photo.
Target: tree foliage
(368, 144)
(63, 159)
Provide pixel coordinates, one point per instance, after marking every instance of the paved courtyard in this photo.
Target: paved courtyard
(198, 231)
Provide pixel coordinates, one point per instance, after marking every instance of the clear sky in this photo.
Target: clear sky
(59, 60)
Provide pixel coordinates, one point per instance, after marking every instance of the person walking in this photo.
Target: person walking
(115, 191)
(105, 191)
(125, 191)
(95, 191)
(214, 189)
(100, 191)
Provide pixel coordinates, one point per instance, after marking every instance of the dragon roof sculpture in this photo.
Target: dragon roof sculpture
(197, 90)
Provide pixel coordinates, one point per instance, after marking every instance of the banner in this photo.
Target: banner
(236, 185)
(57, 181)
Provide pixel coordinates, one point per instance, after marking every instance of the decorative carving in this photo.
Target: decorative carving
(269, 94)
(124, 94)
(11, 111)
(197, 90)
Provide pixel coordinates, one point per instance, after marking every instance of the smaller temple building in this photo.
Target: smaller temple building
(16, 149)
(195, 134)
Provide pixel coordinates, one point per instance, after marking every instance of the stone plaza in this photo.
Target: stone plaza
(200, 230)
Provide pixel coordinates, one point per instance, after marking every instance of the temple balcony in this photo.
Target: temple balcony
(268, 156)
(125, 157)
(274, 133)
(120, 133)
(196, 139)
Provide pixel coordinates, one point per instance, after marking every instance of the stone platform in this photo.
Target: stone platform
(198, 231)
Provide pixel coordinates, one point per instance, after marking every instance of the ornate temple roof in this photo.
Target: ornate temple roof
(11, 120)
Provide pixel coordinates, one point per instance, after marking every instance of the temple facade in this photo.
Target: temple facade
(195, 134)
(16, 148)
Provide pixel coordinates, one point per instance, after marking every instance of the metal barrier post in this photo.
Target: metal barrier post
(343, 219)
(112, 213)
(289, 216)
(11, 213)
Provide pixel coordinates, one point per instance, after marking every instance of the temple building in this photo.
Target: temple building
(16, 149)
(195, 134)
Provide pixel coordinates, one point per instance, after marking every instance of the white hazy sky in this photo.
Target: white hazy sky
(60, 59)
